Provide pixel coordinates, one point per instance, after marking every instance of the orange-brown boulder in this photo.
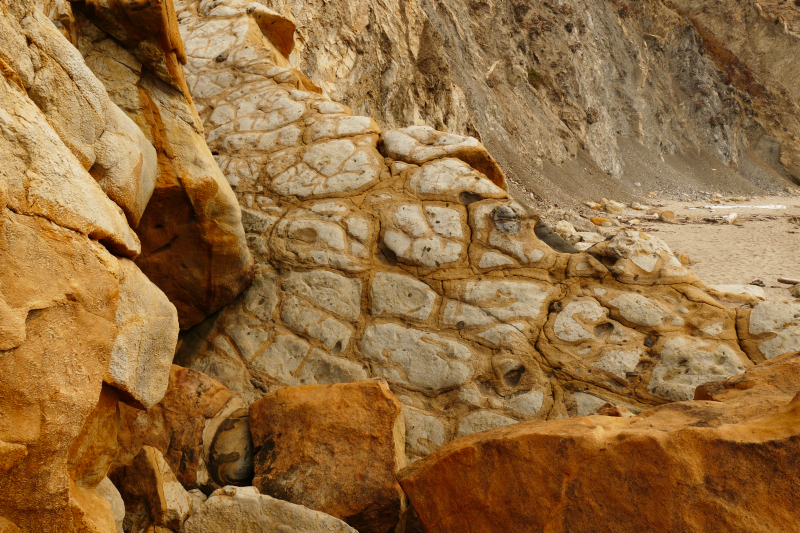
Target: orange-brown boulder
(183, 427)
(694, 466)
(333, 448)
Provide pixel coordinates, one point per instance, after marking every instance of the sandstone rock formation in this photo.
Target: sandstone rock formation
(244, 510)
(333, 448)
(720, 465)
(77, 176)
(396, 256)
(183, 427)
(193, 246)
(147, 332)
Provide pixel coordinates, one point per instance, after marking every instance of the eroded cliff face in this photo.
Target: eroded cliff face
(574, 98)
(390, 254)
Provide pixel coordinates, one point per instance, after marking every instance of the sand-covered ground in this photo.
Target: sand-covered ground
(762, 243)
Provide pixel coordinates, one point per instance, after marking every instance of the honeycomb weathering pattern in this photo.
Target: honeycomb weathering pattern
(386, 254)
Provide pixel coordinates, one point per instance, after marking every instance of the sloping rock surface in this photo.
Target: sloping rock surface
(244, 510)
(723, 465)
(400, 254)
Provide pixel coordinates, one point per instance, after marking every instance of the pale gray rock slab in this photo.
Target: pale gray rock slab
(328, 290)
(687, 362)
(482, 421)
(148, 329)
(107, 490)
(424, 433)
(780, 318)
(245, 510)
(416, 358)
(396, 294)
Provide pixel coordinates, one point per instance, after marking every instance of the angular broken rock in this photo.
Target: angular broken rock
(153, 496)
(147, 325)
(600, 472)
(333, 448)
(244, 510)
(184, 425)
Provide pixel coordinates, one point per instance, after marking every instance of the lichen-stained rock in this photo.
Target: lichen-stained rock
(152, 494)
(245, 510)
(333, 448)
(147, 326)
(707, 462)
(769, 329)
(182, 426)
(65, 287)
(420, 144)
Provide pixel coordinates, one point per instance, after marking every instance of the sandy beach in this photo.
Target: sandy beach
(761, 244)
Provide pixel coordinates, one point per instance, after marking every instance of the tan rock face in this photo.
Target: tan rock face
(65, 288)
(704, 465)
(333, 448)
(183, 427)
(42, 176)
(399, 254)
(147, 334)
(193, 245)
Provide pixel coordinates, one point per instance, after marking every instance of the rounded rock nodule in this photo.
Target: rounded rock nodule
(231, 455)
